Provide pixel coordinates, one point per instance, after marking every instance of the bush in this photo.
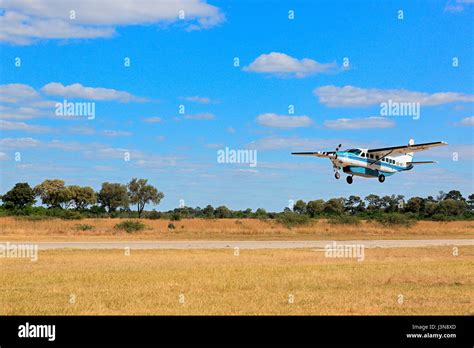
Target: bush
(291, 219)
(84, 227)
(344, 220)
(130, 226)
(153, 215)
(34, 217)
(175, 216)
(394, 219)
(171, 226)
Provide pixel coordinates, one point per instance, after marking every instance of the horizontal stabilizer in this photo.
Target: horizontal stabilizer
(422, 162)
(317, 154)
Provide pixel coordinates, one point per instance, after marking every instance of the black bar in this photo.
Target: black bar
(193, 330)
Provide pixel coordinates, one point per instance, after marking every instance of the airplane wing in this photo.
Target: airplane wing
(422, 162)
(400, 150)
(324, 154)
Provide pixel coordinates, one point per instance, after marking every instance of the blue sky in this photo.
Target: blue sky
(190, 62)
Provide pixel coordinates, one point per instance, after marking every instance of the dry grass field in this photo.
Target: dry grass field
(211, 282)
(14, 229)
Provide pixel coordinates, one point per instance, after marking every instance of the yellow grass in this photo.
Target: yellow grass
(13, 229)
(211, 282)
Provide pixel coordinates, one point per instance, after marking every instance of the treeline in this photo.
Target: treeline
(117, 200)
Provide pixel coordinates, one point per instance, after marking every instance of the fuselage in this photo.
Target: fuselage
(359, 162)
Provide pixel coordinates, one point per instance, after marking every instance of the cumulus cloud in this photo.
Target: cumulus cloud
(23, 21)
(76, 90)
(359, 123)
(154, 119)
(19, 142)
(281, 64)
(467, 121)
(198, 99)
(283, 121)
(455, 6)
(16, 92)
(205, 116)
(350, 96)
(116, 133)
(22, 126)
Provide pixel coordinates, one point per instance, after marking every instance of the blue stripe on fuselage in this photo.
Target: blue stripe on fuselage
(382, 164)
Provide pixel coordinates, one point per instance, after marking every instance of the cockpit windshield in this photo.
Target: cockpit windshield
(354, 151)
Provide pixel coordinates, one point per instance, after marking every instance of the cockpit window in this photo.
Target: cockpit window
(354, 151)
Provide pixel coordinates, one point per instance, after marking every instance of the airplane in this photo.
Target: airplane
(374, 163)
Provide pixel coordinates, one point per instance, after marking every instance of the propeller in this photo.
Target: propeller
(337, 149)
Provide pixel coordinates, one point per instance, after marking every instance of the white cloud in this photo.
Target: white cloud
(76, 90)
(205, 116)
(22, 126)
(230, 130)
(281, 64)
(467, 121)
(153, 119)
(3, 156)
(115, 133)
(24, 21)
(16, 92)
(19, 142)
(359, 123)
(283, 121)
(457, 5)
(350, 96)
(198, 99)
(299, 144)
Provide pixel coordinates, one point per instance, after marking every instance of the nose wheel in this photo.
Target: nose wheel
(381, 178)
(349, 179)
(337, 175)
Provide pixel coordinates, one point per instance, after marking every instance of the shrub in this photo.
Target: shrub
(394, 219)
(171, 226)
(344, 220)
(175, 216)
(291, 219)
(130, 226)
(84, 227)
(153, 215)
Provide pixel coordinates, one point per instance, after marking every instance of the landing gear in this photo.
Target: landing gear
(381, 178)
(337, 175)
(349, 179)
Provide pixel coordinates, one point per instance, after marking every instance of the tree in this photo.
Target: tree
(222, 212)
(391, 203)
(334, 206)
(82, 196)
(261, 213)
(454, 195)
(315, 208)
(375, 202)
(208, 211)
(53, 193)
(354, 204)
(141, 193)
(113, 196)
(415, 205)
(470, 202)
(19, 197)
(299, 207)
(451, 207)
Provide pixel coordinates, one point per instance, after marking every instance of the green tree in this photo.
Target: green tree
(113, 196)
(299, 207)
(375, 202)
(141, 193)
(53, 193)
(454, 195)
(19, 197)
(315, 208)
(451, 207)
(334, 206)
(354, 204)
(415, 205)
(470, 202)
(82, 196)
(222, 212)
(208, 212)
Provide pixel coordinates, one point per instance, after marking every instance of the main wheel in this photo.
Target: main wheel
(381, 178)
(337, 175)
(349, 179)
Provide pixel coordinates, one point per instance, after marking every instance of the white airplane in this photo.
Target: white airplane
(373, 163)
